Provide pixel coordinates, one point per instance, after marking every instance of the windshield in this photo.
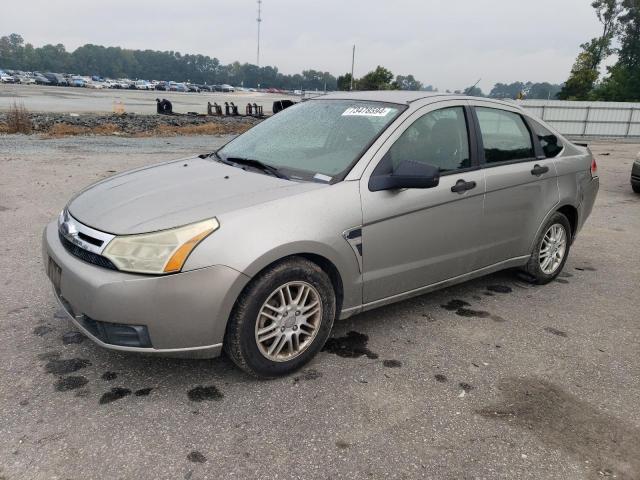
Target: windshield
(314, 140)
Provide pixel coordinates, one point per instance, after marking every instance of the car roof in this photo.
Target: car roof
(402, 97)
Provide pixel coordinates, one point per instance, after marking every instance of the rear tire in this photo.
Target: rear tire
(550, 251)
(636, 187)
(282, 319)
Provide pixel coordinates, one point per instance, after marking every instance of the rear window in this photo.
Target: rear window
(551, 144)
(504, 135)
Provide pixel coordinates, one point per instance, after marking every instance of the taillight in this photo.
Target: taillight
(594, 168)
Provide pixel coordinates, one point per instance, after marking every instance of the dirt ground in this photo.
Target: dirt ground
(540, 383)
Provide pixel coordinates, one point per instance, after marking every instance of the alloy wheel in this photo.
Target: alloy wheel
(553, 249)
(288, 321)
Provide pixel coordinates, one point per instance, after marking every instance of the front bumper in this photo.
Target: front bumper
(185, 314)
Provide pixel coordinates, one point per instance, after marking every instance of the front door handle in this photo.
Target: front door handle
(538, 170)
(461, 186)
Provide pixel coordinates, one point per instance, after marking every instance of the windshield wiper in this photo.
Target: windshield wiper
(217, 157)
(250, 162)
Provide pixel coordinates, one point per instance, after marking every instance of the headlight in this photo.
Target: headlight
(158, 252)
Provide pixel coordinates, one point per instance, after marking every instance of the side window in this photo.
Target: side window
(504, 135)
(437, 138)
(551, 145)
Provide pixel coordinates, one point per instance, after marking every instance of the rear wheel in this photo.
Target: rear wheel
(282, 319)
(636, 187)
(551, 250)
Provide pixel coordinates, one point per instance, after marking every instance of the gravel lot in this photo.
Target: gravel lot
(543, 384)
(85, 100)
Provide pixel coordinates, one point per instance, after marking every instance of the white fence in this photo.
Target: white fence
(588, 119)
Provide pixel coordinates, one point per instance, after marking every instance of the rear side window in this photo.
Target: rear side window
(551, 144)
(504, 135)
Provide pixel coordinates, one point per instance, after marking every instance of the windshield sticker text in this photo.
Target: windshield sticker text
(366, 112)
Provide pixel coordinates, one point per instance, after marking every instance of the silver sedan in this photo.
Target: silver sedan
(334, 206)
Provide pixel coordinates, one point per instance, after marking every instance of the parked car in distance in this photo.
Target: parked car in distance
(177, 87)
(635, 175)
(192, 87)
(56, 79)
(335, 206)
(227, 88)
(77, 81)
(142, 85)
(41, 79)
(6, 78)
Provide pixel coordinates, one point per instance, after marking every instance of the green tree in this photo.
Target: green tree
(344, 82)
(585, 71)
(378, 79)
(474, 91)
(623, 83)
(408, 83)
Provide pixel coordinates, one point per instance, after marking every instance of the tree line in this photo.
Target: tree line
(116, 62)
(620, 37)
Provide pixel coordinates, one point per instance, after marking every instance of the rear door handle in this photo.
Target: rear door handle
(538, 170)
(461, 186)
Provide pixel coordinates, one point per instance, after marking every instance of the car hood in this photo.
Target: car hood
(176, 193)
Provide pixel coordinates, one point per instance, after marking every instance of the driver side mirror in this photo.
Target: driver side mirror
(408, 175)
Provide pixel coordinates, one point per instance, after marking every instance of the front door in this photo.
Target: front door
(413, 238)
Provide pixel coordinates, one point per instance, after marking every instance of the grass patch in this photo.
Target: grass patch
(18, 120)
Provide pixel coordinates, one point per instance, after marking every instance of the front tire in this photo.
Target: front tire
(551, 250)
(282, 319)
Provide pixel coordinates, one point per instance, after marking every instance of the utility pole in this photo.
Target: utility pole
(259, 20)
(353, 61)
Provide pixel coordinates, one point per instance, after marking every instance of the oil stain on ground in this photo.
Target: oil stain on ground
(455, 304)
(586, 269)
(108, 376)
(499, 289)
(42, 330)
(460, 308)
(62, 367)
(196, 457)
(201, 394)
(555, 331)
(307, 375)
(392, 363)
(72, 337)
(70, 383)
(114, 394)
(353, 345)
(440, 377)
(143, 392)
(565, 422)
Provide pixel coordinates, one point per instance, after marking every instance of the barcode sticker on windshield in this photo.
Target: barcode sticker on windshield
(366, 112)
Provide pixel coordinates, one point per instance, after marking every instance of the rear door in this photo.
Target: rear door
(413, 238)
(521, 183)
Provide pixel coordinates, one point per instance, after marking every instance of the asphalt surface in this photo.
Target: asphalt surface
(524, 382)
(38, 98)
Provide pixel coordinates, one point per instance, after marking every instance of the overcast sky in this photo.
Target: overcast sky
(447, 43)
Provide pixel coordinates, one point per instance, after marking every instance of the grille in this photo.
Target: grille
(86, 256)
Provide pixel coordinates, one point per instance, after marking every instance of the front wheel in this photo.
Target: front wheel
(550, 250)
(282, 319)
